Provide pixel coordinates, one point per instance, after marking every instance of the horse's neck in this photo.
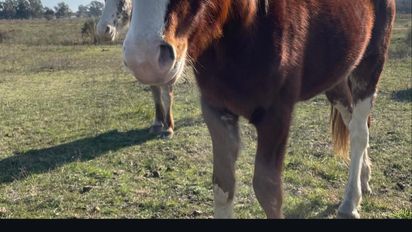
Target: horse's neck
(246, 39)
(237, 15)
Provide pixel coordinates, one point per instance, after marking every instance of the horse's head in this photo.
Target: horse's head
(116, 16)
(164, 32)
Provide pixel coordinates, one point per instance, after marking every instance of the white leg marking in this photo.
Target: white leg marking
(344, 112)
(223, 205)
(359, 138)
(366, 173)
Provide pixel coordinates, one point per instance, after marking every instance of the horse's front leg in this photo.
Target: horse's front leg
(272, 129)
(223, 128)
(157, 125)
(167, 99)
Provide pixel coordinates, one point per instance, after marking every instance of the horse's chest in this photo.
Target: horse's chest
(235, 89)
(234, 75)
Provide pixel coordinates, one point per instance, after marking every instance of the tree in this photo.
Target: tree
(95, 9)
(89, 31)
(36, 8)
(23, 9)
(62, 10)
(48, 13)
(82, 11)
(2, 10)
(404, 6)
(8, 9)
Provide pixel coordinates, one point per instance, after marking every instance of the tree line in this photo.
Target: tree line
(404, 6)
(31, 9)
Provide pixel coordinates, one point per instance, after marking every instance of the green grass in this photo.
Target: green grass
(401, 39)
(74, 141)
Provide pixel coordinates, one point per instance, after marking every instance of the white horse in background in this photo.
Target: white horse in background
(116, 18)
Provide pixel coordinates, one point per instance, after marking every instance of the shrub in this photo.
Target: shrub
(89, 32)
(4, 35)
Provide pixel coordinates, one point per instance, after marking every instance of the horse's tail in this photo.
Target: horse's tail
(340, 134)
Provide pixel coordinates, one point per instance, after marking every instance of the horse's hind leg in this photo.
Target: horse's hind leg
(364, 80)
(366, 173)
(359, 136)
(223, 128)
(341, 99)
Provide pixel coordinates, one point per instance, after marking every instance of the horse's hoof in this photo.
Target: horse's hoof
(348, 215)
(156, 129)
(167, 134)
(366, 190)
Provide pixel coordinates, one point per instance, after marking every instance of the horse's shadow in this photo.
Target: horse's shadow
(403, 95)
(304, 209)
(22, 165)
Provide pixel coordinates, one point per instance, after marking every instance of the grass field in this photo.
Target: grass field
(74, 139)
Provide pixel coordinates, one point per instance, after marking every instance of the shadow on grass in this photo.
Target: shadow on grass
(188, 122)
(22, 165)
(306, 210)
(402, 95)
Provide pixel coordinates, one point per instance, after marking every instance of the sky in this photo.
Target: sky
(73, 4)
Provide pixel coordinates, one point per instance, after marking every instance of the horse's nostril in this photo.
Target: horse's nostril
(107, 29)
(167, 54)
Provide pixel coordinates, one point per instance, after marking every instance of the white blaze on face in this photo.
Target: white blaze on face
(144, 44)
(106, 27)
(148, 19)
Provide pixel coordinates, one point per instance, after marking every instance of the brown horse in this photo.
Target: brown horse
(257, 59)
